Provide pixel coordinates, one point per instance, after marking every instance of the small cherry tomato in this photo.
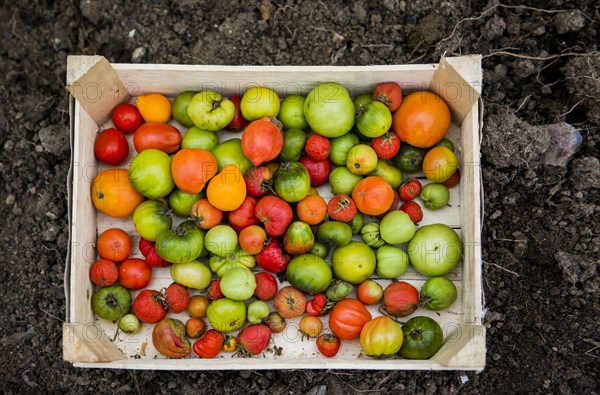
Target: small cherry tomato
(127, 118)
(328, 344)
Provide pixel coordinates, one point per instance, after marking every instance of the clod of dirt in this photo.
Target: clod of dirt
(578, 269)
(494, 28)
(55, 139)
(511, 142)
(95, 11)
(583, 82)
(585, 173)
(568, 22)
(426, 32)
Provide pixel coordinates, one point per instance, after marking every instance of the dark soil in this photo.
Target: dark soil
(542, 229)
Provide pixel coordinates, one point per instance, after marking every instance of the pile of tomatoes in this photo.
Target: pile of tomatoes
(250, 212)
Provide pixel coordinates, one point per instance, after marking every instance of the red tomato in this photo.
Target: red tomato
(386, 146)
(111, 146)
(400, 299)
(272, 257)
(209, 345)
(413, 210)
(318, 170)
(238, 122)
(127, 118)
(135, 273)
(243, 216)
(341, 208)
(317, 147)
(347, 318)
(369, 292)
(410, 189)
(275, 213)
(104, 272)
(161, 136)
(328, 344)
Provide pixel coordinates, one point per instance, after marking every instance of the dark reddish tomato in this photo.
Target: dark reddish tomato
(209, 345)
(214, 290)
(238, 122)
(111, 146)
(104, 272)
(453, 180)
(317, 306)
(328, 344)
(410, 190)
(134, 273)
(389, 93)
(243, 216)
(317, 147)
(341, 208)
(318, 170)
(386, 146)
(413, 210)
(272, 258)
(127, 118)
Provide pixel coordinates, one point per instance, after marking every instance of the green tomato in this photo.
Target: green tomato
(361, 101)
(221, 240)
(151, 218)
(356, 223)
(354, 262)
(329, 110)
(446, 143)
(319, 249)
(230, 153)
(111, 302)
(396, 227)
(434, 250)
(334, 233)
(150, 173)
(194, 274)
(390, 173)
(374, 119)
(409, 159)
(292, 181)
(238, 283)
(309, 273)
(435, 196)
(259, 102)
(423, 337)
(179, 108)
(293, 143)
(208, 110)
(130, 324)
(239, 258)
(258, 311)
(343, 181)
(371, 236)
(291, 113)
(340, 146)
(181, 203)
(298, 238)
(226, 315)
(361, 159)
(338, 290)
(182, 245)
(438, 293)
(392, 261)
(198, 138)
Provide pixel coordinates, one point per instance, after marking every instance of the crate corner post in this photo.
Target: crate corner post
(87, 343)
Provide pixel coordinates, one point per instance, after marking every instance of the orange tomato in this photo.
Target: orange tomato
(227, 190)
(289, 302)
(205, 214)
(439, 164)
(113, 194)
(230, 344)
(114, 244)
(192, 168)
(312, 209)
(422, 119)
(252, 239)
(154, 107)
(373, 195)
(198, 306)
(310, 326)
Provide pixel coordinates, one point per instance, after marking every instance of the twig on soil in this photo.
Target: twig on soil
(53, 316)
(524, 101)
(572, 108)
(502, 268)
(135, 381)
(596, 346)
(555, 56)
(377, 46)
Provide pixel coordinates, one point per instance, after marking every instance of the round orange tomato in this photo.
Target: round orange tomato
(289, 302)
(422, 119)
(114, 244)
(205, 215)
(154, 107)
(252, 238)
(312, 209)
(439, 164)
(113, 194)
(192, 168)
(373, 195)
(227, 190)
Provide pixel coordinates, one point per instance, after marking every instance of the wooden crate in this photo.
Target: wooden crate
(97, 86)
